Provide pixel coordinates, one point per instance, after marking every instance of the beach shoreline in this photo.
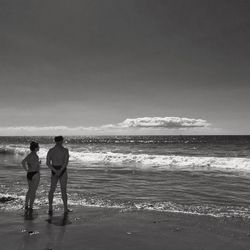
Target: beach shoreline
(104, 228)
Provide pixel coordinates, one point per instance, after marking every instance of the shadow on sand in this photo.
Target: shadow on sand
(30, 215)
(62, 220)
(55, 235)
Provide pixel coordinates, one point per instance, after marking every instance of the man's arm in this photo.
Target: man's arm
(48, 162)
(66, 161)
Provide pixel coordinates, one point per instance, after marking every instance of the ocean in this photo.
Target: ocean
(204, 175)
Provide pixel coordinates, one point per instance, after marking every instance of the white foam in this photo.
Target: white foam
(146, 161)
(164, 206)
(164, 162)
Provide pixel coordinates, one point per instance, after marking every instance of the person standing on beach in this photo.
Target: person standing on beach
(31, 164)
(57, 161)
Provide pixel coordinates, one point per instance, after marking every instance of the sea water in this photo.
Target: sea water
(205, 175)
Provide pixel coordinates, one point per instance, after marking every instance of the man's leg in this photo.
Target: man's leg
(54, 180)
(63, 184)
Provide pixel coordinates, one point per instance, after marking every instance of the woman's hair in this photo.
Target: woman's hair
(33, 146)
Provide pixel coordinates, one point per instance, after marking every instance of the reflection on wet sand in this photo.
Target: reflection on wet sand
(56, 235)
(29, 239)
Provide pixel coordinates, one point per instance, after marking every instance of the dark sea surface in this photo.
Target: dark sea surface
(206, 175)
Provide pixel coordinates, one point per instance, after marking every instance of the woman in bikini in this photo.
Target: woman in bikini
(31, 164)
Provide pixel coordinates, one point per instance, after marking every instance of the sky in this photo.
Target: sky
(90, 67)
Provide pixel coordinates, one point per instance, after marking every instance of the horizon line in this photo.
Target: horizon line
(125, 135)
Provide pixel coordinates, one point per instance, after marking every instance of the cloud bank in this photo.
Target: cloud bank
(163, 122)
(147, 124)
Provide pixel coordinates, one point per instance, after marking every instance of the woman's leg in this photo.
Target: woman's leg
(34, 185)
(27, 198)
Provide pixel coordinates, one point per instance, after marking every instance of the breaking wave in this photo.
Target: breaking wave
(146, 161)
(13, 150)
(166, 162)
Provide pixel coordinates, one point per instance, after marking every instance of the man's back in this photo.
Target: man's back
(58, 155)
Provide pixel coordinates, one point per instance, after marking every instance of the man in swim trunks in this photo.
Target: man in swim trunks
(57, 161)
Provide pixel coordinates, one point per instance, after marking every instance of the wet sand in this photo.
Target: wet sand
(97, 228)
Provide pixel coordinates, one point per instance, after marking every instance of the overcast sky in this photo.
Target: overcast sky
(89, 65)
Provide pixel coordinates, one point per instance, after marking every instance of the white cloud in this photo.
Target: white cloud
(147, 124)
(163, 122)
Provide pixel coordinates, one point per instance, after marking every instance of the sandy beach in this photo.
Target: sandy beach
(97, 228)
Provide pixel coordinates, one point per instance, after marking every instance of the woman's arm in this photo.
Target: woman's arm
(24, 163)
